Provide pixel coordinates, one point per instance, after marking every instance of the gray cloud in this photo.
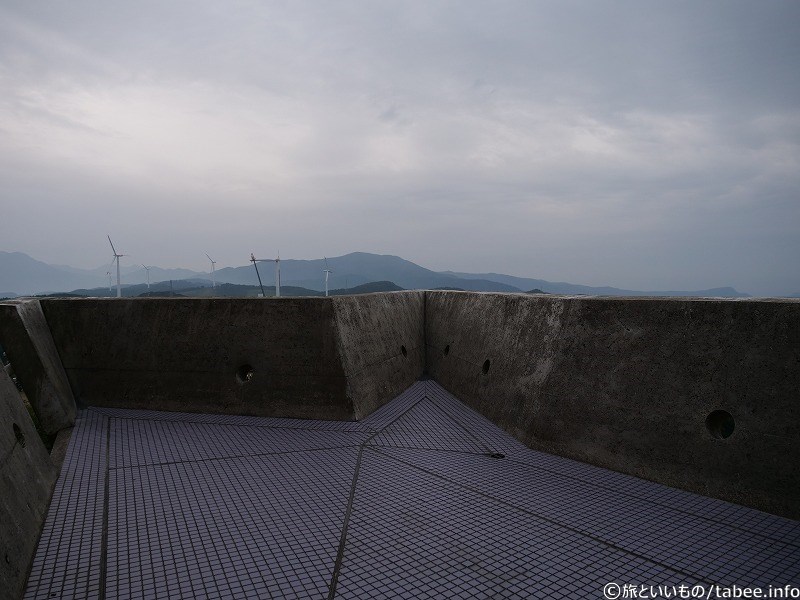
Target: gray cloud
(639, 144)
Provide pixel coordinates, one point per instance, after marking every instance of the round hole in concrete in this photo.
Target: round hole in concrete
(486, 365)
(720, 424)
(245, 374)
(403, 350)
(447, 350)
(18, 434)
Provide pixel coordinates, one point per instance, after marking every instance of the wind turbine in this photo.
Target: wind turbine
(278, 275)
(213, 262)
(277, 260)
(116, 258)
(327, 272)
(109, 280)
(146, 268)
(254, 260)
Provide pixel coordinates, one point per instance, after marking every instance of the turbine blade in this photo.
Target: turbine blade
(112, 245)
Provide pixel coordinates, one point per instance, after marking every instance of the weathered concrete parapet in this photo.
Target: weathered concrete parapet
(26, 338)
(320, 358)
(645, 386)
(381, 344)
(633, 384)
(27, 477)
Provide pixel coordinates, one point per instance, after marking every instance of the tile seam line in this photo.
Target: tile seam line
(599, 540)
(58, 488)
(425, 449)
(364, 428)
(337, 566)
(222, 458)
(104, 533)
(390, 423)
(651, 502)
(460, 424)
(556, 473)
(343, 539)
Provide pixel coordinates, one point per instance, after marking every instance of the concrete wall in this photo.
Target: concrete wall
(26, 337)
(623, 383)
(628, 384)
(306, 357)
(382, 345)
(27, 478)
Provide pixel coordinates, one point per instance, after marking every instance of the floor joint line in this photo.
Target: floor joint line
(104, 542)
(343, 539)
(548, 520)
(442, 410)
(648, 500)
(233, 457)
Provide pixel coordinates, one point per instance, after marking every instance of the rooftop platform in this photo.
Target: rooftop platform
(424, 498)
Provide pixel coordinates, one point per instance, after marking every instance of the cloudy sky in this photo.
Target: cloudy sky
(646, 145)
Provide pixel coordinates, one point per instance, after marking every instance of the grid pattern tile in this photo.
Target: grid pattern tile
(245, 527)
(68, 561)
(389, 412)
(424, 498)
(413, 535)
(425, 426)
(710, 550)
(183, 417)
(482, 428)
(135, 442)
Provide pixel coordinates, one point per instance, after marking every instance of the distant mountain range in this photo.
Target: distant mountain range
(20, 274)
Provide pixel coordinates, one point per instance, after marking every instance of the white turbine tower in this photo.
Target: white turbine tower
(278, 275)
(327, 272)
(116, 258)
(147, 269)
(213, 262)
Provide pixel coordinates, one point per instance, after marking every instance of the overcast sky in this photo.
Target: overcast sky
(645, 145)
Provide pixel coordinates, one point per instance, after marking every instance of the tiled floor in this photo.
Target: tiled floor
(423, 499)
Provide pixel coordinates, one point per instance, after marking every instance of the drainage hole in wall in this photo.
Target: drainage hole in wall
(19, 436)
(403, 350)
(497, 455)
(447, 350)
(486, 365)
(720, 424)
(245, 374)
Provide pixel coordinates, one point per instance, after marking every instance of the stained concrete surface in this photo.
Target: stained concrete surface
(628, 384)
(422, 499)
(292, 357)
(26, 481)
(382, 345)
(28, 342)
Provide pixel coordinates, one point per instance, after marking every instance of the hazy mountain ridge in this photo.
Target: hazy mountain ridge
(25, 275)
(561, 287)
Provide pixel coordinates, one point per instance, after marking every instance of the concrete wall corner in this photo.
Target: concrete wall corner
(26, 338)
(27, 477)
(381, 340)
